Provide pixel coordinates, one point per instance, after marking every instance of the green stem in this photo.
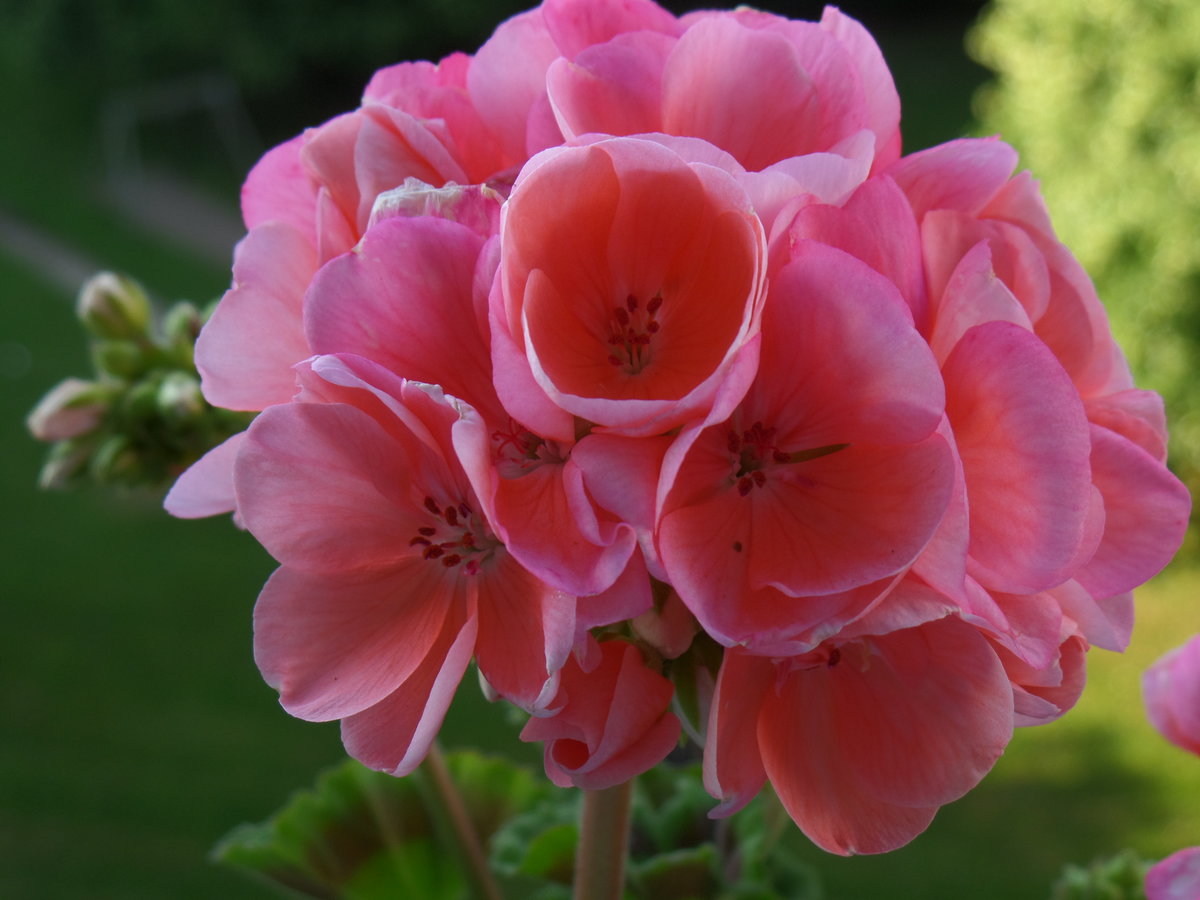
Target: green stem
(456, 811)
(603, 843)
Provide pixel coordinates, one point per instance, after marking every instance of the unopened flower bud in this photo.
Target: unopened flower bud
(141, 401)
(71, 408)
(121, 359)
(113, 306)
(115, 460)
(182, 326)
(66, 462)
(179, 397)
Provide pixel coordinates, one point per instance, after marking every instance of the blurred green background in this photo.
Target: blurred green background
(134, 727)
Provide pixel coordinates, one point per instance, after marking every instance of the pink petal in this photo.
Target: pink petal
(508, 78)
(526, 630)
(963, 174)
(1175, 878)
(1075, 327)
(974, 295)
(280, 189)
(943, 563)
(613, 722)
(1024, 447)
(615, 88)
(334, 646)
(539, 517)
(1021, 203)
(395, 734)
(875, 225)
(246, 351)
(206, 487)
(1138, 416)
(576, 25)
(1042, 696)
(760, 106)
(393, 145)
(849, 518)
(1171, 688)
(329, 154)
(841, 361)
(1146, 511)
(405, 299)
(862, 751)
(947, 236)
(307, 490)
(878, 89)
(1106, 622)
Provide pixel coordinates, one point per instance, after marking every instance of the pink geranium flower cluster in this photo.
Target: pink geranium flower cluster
(631, 351)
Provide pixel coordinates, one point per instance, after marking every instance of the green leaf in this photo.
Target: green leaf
(361, 835)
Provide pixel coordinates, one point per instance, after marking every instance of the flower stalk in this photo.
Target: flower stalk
(455, 811)
(603, 843)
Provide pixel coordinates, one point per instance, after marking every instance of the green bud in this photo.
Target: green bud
(66, 462)
(72, 408)
(113, 306)
(115, 460)
(182, 326)
(141, 401)
(120, 359)
(179, 397)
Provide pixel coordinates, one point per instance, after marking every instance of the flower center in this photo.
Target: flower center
(517, 451)
(629, 332)
(454, 537)
(755, 453)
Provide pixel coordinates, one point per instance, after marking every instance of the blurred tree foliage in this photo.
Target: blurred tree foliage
(1102, 99)
(315, 52)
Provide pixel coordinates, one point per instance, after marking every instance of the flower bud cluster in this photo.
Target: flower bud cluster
(629, 359)
(142, 418)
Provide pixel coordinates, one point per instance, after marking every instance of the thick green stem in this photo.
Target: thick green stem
(478, 870)
(603, 843)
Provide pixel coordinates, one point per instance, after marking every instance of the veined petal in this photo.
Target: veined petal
(395, 734)
(334, 646)
(1024, 445)
(864, 747)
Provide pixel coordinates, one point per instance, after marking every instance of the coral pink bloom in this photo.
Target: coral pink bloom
(1171, 688)
(412, 298)
(391, 579)
(609, 724)
(629, 290)
(507, 81)
(309, 200)
(1023, 439)
(789, 519)
(1175, 878)
(862, 740)
(992, 256)
(783, 89)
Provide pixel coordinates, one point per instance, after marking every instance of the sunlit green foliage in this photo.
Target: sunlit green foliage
(1102, 98)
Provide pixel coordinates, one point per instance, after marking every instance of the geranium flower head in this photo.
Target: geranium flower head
(629, 290)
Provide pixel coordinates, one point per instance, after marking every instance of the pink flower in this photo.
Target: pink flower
(1171, 689)
(783, 88)
(1077, 493)
(391, 579)
(629, 291)
(1175, 878)
(412, 299)
(609, 723)
(861, 739)
(790, 518)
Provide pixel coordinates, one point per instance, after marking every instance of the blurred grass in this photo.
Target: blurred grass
(135, 729)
